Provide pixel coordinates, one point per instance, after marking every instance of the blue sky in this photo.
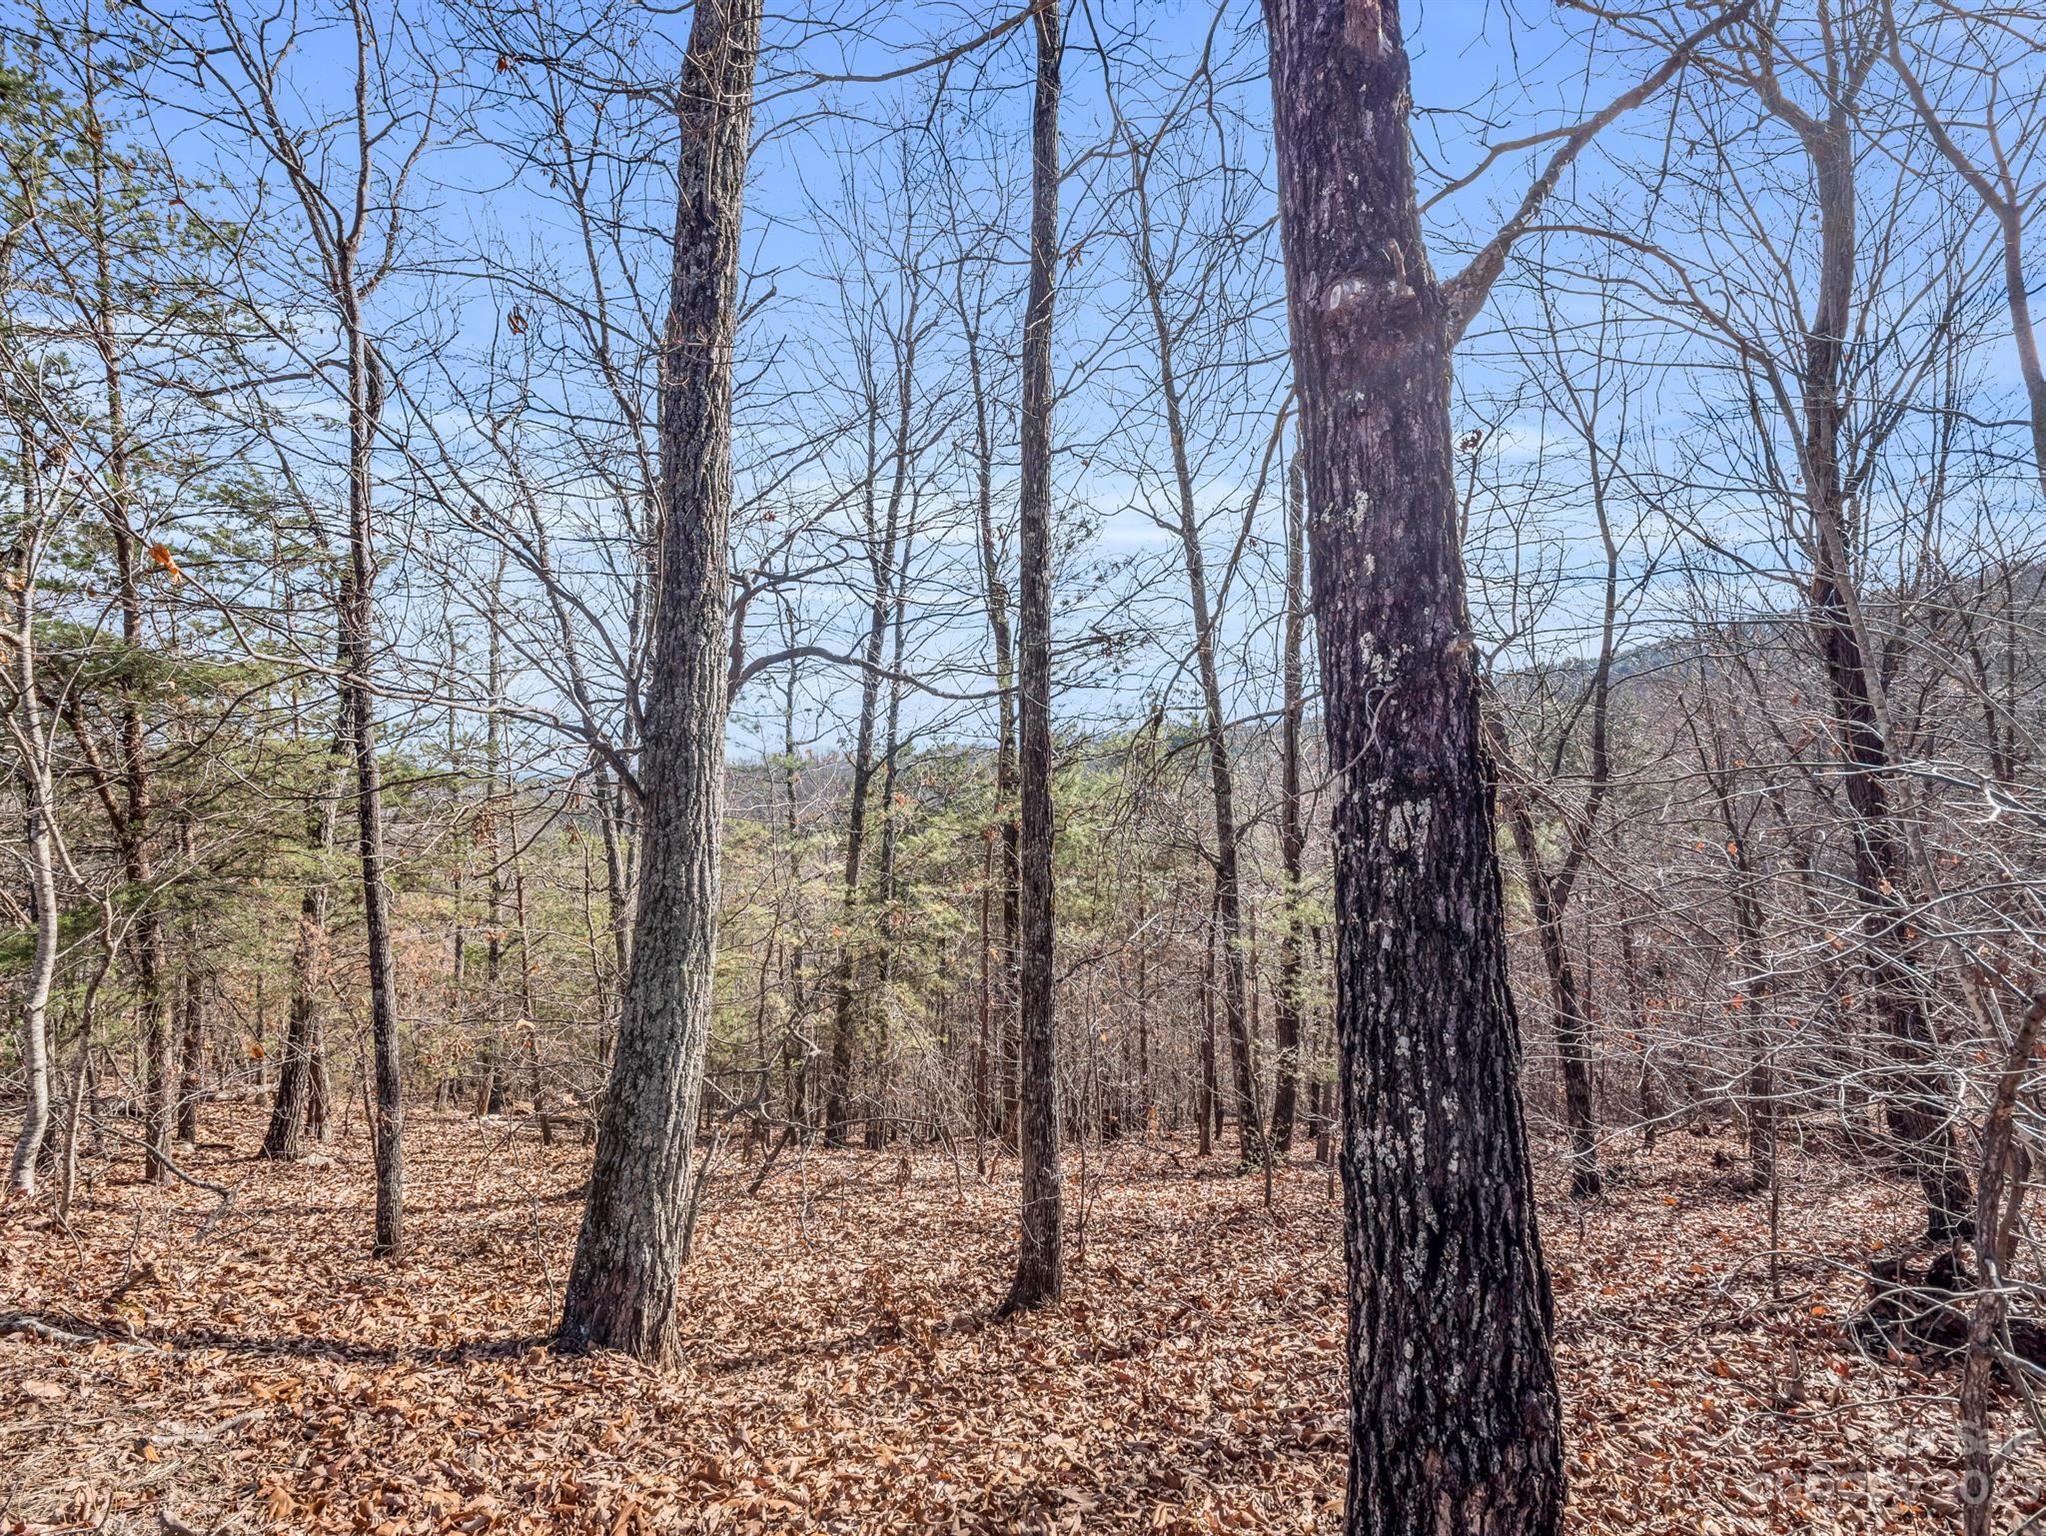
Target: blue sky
(492, 286)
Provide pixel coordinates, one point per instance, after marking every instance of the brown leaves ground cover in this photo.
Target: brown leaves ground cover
(254, 1370)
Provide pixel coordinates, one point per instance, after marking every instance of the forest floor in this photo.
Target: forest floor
(253, 1370)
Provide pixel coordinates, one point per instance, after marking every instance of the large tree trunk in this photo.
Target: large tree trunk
(1455, 1416)
(295, 1074)
(1040, 1265)
(628, 1257)
(300, 1102)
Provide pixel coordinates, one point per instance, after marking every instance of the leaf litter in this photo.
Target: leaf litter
(254, 1370)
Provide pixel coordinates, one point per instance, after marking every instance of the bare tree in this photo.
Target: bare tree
(28, 733)
(348, 171)
(622, 1287)
(1040, 1264)
(1455, 1419)
(1173, 302)
(1992, 63)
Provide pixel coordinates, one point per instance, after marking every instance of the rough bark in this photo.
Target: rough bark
(1040, 1265)
(622, 1285)
(300, 1103)
(1455, 1416)
(288, 1109)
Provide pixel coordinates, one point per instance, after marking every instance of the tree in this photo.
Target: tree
(1169, 315)
(1813, 85)
(1988, 64)
(348, 172)
(300, 1102)
(887, 302)
(1040, 1263)
(26, 730)
(1589, 396)
(1455, 1417)
(622, 1286)
(1292, 822)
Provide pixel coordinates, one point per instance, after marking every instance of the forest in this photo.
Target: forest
(1081, 766)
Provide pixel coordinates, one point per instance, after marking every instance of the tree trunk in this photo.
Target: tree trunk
(529, 1007)
(289, 1109)
(1292, 826)
(191, 1049)
(885, 909)
(132, 829)
(496, 809)
(1573, 1026)
(983, 1081)
(1455, 1416)
(300, 1104)
(622, 1285)
(358, 650)
(1208, 1099)
(1648, 1094)
(884, 530)
(1549, 890)
(1750, 959)
(996, 597)
(1040, 1265)
(1221, 773)
(1143, 937)
(1917, 1104)
(38, 794)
